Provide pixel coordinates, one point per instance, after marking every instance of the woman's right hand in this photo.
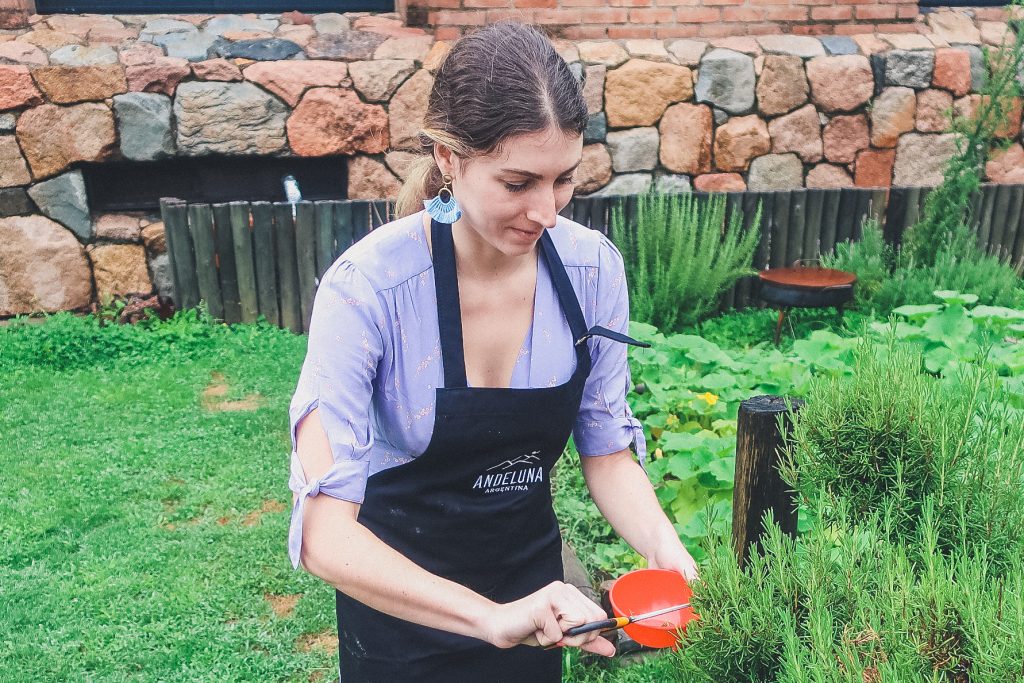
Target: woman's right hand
(542, 617)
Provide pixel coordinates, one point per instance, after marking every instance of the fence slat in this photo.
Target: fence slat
(200, 226)
(914, 204)
(305, 257)
(812, 227)
(829, 221)
(744, 288)
(324, 237)
(895, 216)
(879, 199)
(287, 267)
(1000, 221)
(360, 220)
(780, 228)
(226, 263)
(179, 241)
(847, 214)
(343, 237)
(1017, 223)
(244, 263)
(265, 257)
(974, 215)
(379, 213)
(797, 226)
(988, 199)
(599, 214)
(580, 209)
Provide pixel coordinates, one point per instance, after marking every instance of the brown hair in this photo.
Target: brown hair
(495, 83)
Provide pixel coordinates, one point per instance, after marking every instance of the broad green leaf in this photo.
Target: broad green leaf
(950, 325)
(914, 311)
(949, 296)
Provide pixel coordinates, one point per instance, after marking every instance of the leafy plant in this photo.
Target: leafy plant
(680, 255)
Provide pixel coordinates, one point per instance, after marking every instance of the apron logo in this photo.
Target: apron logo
(511, 475)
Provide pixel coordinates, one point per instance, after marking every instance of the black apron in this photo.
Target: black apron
(474, 507)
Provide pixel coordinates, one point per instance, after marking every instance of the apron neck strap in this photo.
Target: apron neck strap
(449, 312)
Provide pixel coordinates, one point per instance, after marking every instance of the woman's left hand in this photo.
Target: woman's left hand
(671, 554)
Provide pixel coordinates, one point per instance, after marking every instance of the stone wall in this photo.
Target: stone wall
(730, 113)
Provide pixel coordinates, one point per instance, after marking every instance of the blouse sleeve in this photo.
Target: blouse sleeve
(605, 423)
(344, 348)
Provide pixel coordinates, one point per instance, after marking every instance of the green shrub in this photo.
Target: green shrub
(871, 259)
(680, 255)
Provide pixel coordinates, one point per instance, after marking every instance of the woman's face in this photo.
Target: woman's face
(509, 197)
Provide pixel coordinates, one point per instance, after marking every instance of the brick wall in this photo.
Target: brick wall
(587, 19)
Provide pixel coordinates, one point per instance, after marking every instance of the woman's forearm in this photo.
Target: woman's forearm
(341, 551)
(624, 495)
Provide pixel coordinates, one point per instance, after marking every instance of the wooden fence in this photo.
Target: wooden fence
(249, 259)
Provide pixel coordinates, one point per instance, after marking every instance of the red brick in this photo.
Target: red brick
(624, 32)
(875, 12)
(605, 15)
(742, 14)
(812, 29)
(652, 15)
(812, 2)
(557, 16)
(679, 31)
(764, 29)
(631, 3)
(583, 3)
(698, 15)
(768, 2)
(711, 3)
(907, 12)
(447, 33)
(786, 14)
(990, 13)
(853, 29)
(522, 15)
(896, 28)
(874, 168)
(486, 3)
(831, 13)
(721, 30)
(584, 32)
(449, 17)
(535, 4)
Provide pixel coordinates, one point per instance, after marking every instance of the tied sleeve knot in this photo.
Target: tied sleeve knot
(345, 480)
(639, 440)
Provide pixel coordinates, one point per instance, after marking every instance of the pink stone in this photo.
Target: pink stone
(370, 179)
(407, 108)
(334, 121)
(300, 35)
(828, 176)
(119, 269)
(296, 18)
(952, 71)
(967, 106)
(595, 170)
(892, 115)
(289, 79)
(798, 132)
(140, 53)
(375, 23)
(52, 138)
(118, 227)
(69, 84)
(112, 36)
(17, 88)
(844, 136)
(739, 140)
(1011, 121)
(874, 168)
(13, 170)
(42, 267)
(932, 106)
(840, 83)
(638, 92)
(23, 53)
(719, 182)
(686, 138)
(160, 75)
(81, 25)
(216, 70)
(1007, 166)
(782, 86)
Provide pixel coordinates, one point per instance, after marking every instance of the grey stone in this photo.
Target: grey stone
(232, 22)
(331, 22)
(979, 76)
(576, 69)
(775, 172)
(909, 68)
(878, 72)
(597, 128)
(63, 199)
(670, 183)
(194, 47)
(726, 80)
(228, 118)
(721, 116)
(921, 159)
(83, 55)
(629, 183)
(160, 274)
(634, 149)
(263, 50)
(347, 45)
(144, 125)
(7, 123)
(839, 45)
(156, 27)
(14, 201)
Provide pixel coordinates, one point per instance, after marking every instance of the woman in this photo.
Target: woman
(451, 353)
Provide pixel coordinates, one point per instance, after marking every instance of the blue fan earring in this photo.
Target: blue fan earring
(443, 208)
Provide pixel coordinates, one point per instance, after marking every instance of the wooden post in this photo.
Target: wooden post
(759, 486)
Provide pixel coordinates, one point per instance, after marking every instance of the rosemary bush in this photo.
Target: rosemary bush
(680, 255)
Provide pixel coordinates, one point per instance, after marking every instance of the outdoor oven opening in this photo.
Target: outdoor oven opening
(138, 186)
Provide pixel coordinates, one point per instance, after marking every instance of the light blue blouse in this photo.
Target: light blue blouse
(374, 359)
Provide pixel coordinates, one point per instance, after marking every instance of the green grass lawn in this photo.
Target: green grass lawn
(143, 525)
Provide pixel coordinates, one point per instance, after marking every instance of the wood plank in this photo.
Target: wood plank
(744, 288)
(913, 208)
(378, 213)
(325, 249)
(1002, 233)
(829, 221)
(580, 209)
(287, 267)
(200, 226)
(265, 258)
(361, 224)
(342, 222)
(599, 214)
(797, 226)
(812, 224)
(182, 255)
(733, 216)
(862, 212)
(780, 229)
(879, 201)
(974, 214)
(847, 214)
(241, 233)
(1017, 223)
(226, 263)
(305, 258)
(988, 199)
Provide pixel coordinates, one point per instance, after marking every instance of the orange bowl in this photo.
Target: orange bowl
(648, 590)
